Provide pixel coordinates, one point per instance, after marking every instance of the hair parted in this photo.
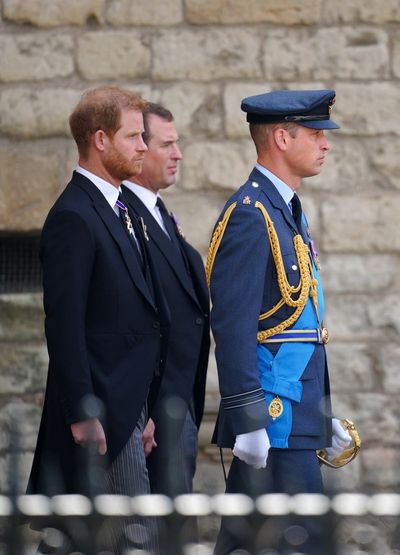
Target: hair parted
(101, 108)
(156, 110)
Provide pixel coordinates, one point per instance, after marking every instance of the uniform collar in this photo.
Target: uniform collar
(284, 190)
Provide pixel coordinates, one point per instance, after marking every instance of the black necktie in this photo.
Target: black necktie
(169, 224)
(297, 210)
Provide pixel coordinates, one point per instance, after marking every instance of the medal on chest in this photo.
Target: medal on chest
(313, 251)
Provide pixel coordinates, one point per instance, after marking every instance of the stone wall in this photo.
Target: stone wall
(199, 58)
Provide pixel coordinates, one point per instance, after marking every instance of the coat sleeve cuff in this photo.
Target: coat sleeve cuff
(241, 400)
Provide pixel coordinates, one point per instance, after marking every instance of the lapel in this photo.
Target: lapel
(198, 275)
(277, 201)
(112, 223)
(161, 242)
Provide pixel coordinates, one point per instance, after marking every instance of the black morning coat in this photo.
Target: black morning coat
(106, 334)
(184, 285)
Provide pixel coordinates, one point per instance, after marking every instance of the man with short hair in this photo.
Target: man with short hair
(179, 403)
(267, 316)
(105, 318)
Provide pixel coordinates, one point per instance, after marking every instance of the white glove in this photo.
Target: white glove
(340, 440)
(252, 448)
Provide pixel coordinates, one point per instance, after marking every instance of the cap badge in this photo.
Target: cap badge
(330, 105)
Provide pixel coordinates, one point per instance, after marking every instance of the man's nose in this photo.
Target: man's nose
(325, 144)
(142, 145)
(177, 154)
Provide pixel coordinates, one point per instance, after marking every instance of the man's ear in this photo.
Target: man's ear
(99, 139)
(281, 138)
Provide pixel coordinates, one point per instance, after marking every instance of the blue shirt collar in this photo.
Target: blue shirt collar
(284, 190)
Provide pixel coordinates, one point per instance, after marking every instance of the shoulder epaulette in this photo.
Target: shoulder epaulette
(248, 194)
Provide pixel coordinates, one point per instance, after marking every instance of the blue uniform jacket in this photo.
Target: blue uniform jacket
(243, 286)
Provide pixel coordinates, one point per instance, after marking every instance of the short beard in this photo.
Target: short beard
(120, 167)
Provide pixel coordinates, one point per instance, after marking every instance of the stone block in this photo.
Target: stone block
(197, 214)
(396, 57)
(389, 366)
(368, 110)
(204, 55)
(342, 53)
(384, 161)
(385, 314)
(142, 12)
(285, 12)
(113, 55)
(228, 165)
(351, 367)
(348, 166)
(71, 158)
(381, 468)
(21, 318)
(376, 416)
(19, 425)
(360, 11)
(43, 13)
(23, 368)
(361, 224)
(196, 108)
(32, 113)
(34, 57)
(348, 319)
(29, 184)
(15, 470)
(359, 273)
(235, 120)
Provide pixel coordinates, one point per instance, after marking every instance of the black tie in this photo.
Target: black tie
(297, 210)
(169, 224)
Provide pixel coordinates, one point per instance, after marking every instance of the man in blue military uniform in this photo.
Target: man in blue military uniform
(268, 311)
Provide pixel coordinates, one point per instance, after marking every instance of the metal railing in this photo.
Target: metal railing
(81, 518)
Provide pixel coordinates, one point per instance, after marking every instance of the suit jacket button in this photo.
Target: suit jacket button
(199, 321)
(156, 325)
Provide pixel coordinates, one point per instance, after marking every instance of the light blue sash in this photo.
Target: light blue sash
(280, 375)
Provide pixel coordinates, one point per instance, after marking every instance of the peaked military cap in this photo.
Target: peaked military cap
(308, 108)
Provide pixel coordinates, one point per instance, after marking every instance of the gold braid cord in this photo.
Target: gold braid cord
(216, 240)
(307, 285)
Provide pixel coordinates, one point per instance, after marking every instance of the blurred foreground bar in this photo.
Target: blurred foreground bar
(83, 519)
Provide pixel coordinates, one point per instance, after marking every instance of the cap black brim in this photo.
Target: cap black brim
(321, 124)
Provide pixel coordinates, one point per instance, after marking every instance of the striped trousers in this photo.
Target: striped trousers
(127, 475)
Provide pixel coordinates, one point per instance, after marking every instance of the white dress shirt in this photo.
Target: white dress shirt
(149, 199)
(107, 189)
